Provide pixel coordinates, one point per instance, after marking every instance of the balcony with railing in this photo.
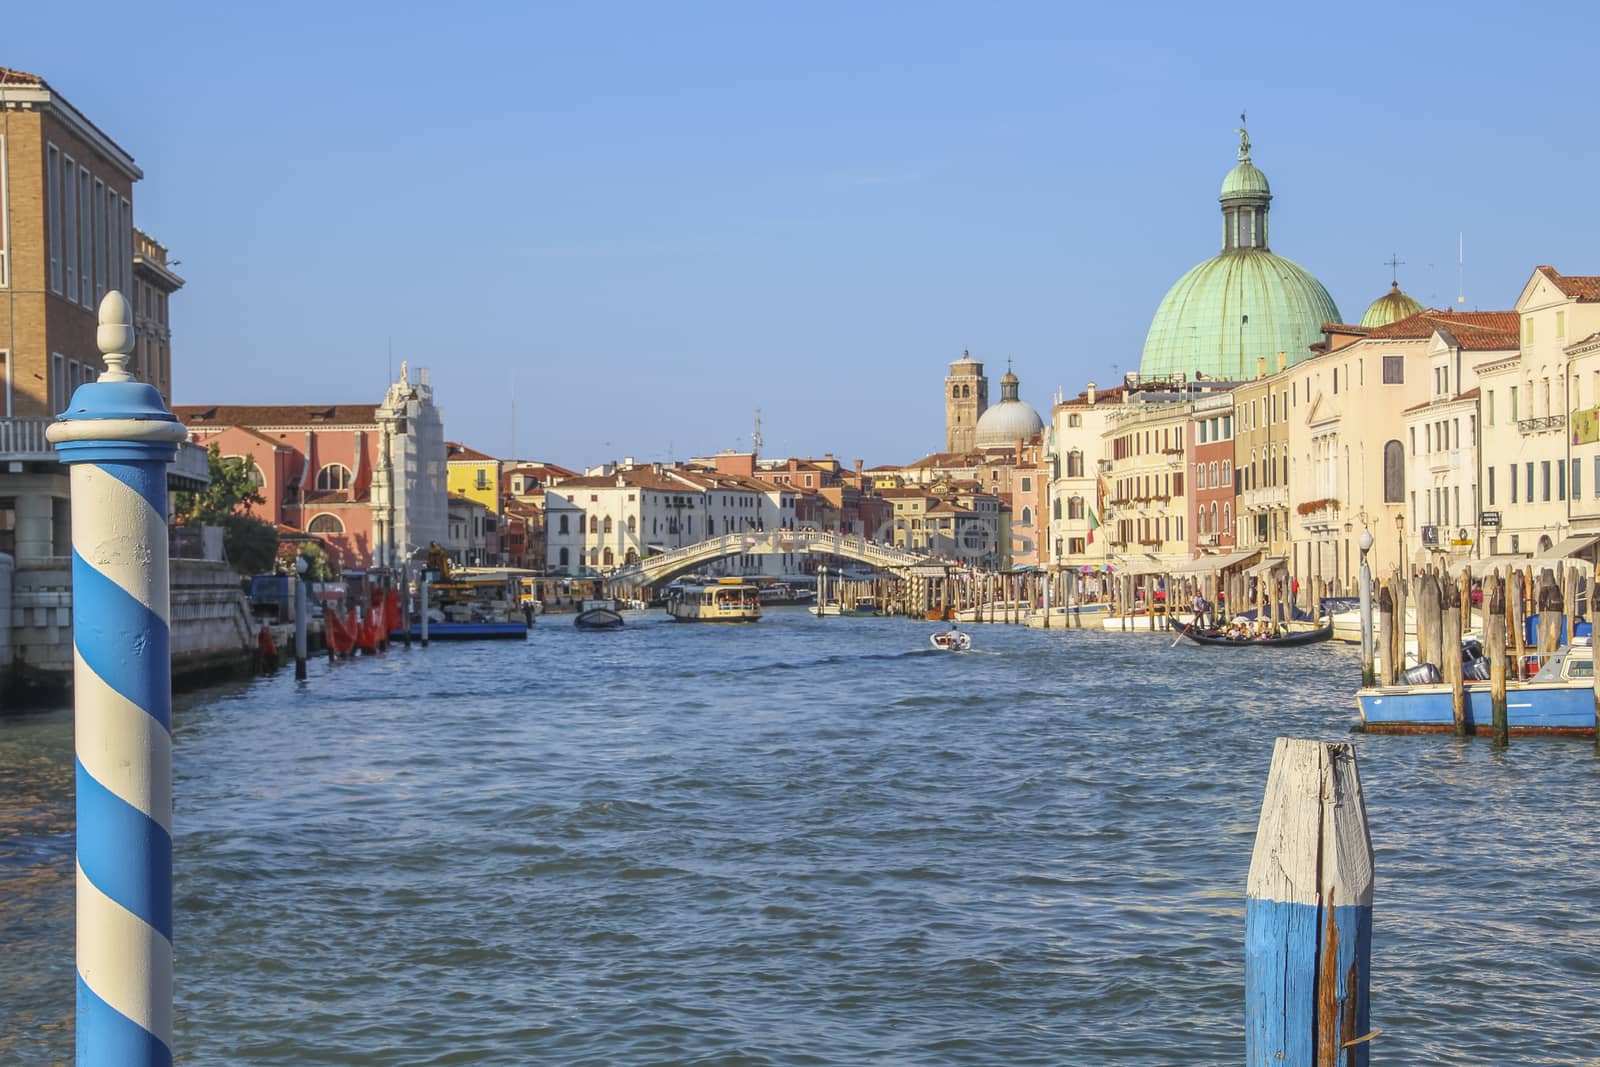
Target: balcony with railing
(1269, 496)
(1545, 424)
(22, 440)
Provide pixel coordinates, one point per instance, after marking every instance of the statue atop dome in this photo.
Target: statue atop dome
(1244, 140)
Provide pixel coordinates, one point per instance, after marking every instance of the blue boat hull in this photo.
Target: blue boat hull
(1531, 708)
(466, 631)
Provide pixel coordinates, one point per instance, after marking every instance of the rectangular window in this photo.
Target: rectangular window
(1027, 485)
(1336, 381)
(1561, 480)
(85, 238)
(1577, 479)
(52, 193)
(5, 380)
(1561, 324)
(1514, 483)
(1597, 477)
(1527, 470)
(1394, 370)
(1513, 403)
(1489, 420)
(1527, 330)
(97, 212)
(1490, 474)
(5, 218)
(125, 254)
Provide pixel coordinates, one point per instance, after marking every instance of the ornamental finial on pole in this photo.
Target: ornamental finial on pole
(115, 336)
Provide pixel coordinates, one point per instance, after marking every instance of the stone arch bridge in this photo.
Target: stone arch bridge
(667, 565)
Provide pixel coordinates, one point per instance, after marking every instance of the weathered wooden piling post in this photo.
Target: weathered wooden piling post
(405, 603)
(1549, 616)
(1430, 622)
(422, 599)
(1387, 675)
(1308, 913)
(1594, 614)
(1451, 664)
(1569, 600)
(1464, 587)
(1367, 674)
(1515, 627)
(300, 620)
(1397, 637)
(117, 438)
(1494, 640)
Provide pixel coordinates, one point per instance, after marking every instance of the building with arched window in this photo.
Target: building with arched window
(377, 471)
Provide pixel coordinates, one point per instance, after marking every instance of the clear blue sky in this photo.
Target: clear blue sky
(642, 221)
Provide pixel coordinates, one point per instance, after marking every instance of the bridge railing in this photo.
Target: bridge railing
(764, 542)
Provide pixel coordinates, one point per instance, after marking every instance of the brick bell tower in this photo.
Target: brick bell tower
(966, 398)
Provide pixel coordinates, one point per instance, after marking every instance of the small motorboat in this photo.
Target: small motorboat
(950, 641)
(1283, 640)
(598, 617)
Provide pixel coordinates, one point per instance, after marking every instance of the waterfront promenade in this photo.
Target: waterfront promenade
(803, 841)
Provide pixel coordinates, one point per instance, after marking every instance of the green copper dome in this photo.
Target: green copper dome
(1243, 305)
(1245, 180)
(1390, 307)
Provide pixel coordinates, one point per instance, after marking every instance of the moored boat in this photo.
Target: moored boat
(730, 600)
(1559, 699)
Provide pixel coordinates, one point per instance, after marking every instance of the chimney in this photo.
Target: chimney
(859, 465)
(1090, 393)
(1283, 362)
(1261, 366)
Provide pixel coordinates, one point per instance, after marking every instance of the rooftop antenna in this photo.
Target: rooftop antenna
(1461, 268)
(755, 437)
(1394, 263)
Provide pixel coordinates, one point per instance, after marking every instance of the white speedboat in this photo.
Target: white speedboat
(950, 641)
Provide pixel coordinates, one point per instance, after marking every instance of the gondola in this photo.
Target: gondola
(1216, 637)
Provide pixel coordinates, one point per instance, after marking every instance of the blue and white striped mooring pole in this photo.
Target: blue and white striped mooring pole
(117, 437)
(1308, 913)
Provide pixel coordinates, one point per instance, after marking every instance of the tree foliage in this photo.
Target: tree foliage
(230, 492)
(251, 545)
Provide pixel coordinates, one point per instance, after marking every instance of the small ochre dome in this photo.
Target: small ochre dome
(1008, 421)
(1390, 307)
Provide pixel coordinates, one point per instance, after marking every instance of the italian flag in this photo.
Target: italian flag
(1094, 524)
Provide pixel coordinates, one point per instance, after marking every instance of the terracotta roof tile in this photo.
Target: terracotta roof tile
(259, 416)
(455, 450)
(8, 76)
(1476, 331)
(1577, 286)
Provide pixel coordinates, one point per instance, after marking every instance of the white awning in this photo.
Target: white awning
(1569, 547)
(1212, 564)
(1266, 566)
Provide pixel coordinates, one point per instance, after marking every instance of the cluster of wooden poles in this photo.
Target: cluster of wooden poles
(1443, 607)
(1274, 594)
(991, 596)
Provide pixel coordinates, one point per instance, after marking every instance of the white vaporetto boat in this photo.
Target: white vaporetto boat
(730, 600)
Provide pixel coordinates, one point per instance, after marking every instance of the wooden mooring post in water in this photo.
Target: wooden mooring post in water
(1494, 642)
(1308, 913)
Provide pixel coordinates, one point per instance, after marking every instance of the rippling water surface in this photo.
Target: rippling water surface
(801, 842)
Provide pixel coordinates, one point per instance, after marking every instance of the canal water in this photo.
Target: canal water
(800, 842)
